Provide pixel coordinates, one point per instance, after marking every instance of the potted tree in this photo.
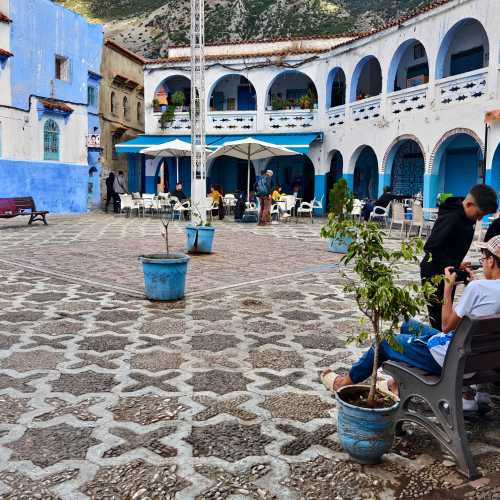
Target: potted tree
(305, 102)
(177, 100)
(200, 235)
(165, 273)
(366, 414)
(341, 203)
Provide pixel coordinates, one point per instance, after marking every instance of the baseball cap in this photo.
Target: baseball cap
(493, 246)
(269, 172)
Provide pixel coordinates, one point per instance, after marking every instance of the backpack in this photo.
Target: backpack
(262, 186)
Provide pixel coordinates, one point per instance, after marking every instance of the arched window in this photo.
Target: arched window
(51, 141)
(126, 109)
(139, 112)
(113, 103)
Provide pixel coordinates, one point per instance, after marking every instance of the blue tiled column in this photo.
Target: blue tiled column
(350, 180)
(430, 190)
(320, 192)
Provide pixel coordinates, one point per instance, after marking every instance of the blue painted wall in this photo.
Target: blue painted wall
(57, 187)
(320, 192)
(40, 30)
(366, 176)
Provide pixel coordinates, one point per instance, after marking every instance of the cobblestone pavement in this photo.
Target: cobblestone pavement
(104, 395)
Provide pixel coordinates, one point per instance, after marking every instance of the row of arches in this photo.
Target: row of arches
(454, 166)
(464, 48)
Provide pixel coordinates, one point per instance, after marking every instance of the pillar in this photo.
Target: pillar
(320, 193)
(430, 190)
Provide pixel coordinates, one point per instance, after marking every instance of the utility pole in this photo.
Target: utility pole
(198, 106)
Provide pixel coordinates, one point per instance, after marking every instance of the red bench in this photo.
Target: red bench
(14, 207)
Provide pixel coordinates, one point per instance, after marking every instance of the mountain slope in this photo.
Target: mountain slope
(150, 26)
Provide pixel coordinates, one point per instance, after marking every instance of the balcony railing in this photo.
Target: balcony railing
(408, 100)
(291, 120)
(462, 88)
(367, 109)
(232, 121)
(336, 116)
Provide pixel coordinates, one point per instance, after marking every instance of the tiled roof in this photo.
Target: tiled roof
(56, 105)
(223, 57)
(4, 18)
(125, 52)
(5, 53)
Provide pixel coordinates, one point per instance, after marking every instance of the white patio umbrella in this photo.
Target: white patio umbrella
(176, 148)
(251, 149)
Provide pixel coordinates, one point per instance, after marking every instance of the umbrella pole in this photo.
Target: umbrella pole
(248, 177)
(177, 167)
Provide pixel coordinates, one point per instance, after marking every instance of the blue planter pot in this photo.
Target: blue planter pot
(365, 434)
(339, 245)
(165, 277)
(200, 239)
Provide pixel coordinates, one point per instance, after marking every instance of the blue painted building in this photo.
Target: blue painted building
(49, 98)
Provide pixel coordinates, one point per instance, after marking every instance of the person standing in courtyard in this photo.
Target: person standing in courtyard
(451, 238)
(119, 187)
(110, 192)
(264, 190)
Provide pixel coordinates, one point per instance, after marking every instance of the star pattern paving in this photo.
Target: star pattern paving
(108, 396)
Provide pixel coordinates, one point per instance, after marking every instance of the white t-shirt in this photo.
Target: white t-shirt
(480, 298)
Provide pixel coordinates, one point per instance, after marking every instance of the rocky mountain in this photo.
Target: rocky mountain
(149, 27)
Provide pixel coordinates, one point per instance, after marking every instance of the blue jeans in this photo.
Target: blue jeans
(413, 344)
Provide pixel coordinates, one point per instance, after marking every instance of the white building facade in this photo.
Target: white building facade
(404, 106)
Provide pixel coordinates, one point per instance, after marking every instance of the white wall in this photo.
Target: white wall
(5, 86)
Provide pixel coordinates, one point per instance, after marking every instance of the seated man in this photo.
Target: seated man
(424, 347)
(179, 193)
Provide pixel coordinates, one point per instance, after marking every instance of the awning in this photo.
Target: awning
(299, 143)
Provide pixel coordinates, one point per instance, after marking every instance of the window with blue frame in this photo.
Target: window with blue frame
(92, 96)
(51, 141)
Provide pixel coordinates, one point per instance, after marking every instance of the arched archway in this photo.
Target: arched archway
(405, 167)
(231, 174)
(365, 182)
(292, 90)
(409, 66)
(233, 92)
(170, 86)
(464, 48)
(290, 171)
(493, 175)
(334, 174)
(456, 164)
(366, 79)
(336, 88)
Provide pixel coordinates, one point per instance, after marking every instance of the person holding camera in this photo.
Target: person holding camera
(424, 347)
(451, 238)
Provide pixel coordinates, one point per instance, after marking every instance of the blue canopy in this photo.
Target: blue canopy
(299, 143)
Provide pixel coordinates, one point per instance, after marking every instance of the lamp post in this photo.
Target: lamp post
(198, 106)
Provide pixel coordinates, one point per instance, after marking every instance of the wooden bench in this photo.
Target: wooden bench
(475, 349)
(14, 207)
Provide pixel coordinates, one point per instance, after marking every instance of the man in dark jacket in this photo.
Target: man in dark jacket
(179, 193)
(451, 238)
(387, 197)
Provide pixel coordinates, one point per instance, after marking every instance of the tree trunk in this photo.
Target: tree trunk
(373, 381)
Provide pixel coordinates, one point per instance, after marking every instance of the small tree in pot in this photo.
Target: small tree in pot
(340, 207)
(366, 414)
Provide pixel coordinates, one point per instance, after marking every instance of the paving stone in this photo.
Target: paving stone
(18, 384)
(299, 315)
(212, 314)
(81, 410)
(106, 361)
(156, 361)
(21, 316)
(12, 408)
(32, 360)
(143, 381)
(214, 342)
(136, 480)
(214, 407)
(54, 343)
(48, 446)
(103, 343)
(219, 381)
(323, 342)
(301, 407)
(147, 410)
(84, 382)
(277, 381)
(276, 360)
(228, 440)
(150, 441)
(165, 343)
(272, 340)
(7, 341)
(59, 327)
(304, 439)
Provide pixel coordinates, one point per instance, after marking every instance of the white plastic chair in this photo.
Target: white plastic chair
(417, 219)
(357, 207)
(318, 205)
(127, 204)
(275, 211)
(305, 208)
(380, 213)
(398, 217)
(181, 209)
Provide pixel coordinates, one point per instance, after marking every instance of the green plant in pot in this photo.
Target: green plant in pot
(178, 98)
(340, 207)
(306, 102)
(165, 273)
(366, 414)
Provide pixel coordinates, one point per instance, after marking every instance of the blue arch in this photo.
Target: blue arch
(230, 75)
(337, 71)
(283, 73)
(357, 75)
(396, 61)
(448, 40)
(365, 174)
(493, 174)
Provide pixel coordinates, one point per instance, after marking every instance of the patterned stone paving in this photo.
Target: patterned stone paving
(104, 395)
